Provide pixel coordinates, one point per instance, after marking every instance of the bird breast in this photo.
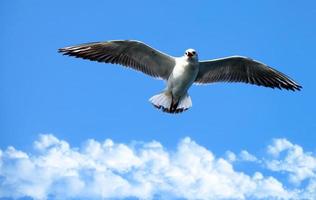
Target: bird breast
(183, 75)
(184, 69)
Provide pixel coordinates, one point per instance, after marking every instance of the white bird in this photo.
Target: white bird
(180, 72)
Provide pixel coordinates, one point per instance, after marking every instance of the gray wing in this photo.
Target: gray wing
(242, 69)
(129, 53)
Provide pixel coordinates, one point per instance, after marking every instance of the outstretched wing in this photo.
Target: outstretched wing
(129, 53)
(242, 69)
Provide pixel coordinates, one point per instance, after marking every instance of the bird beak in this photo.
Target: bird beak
(190, 54)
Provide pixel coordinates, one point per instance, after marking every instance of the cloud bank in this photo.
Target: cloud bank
(109, 170)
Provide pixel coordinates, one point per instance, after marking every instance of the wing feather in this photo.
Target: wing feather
(242, 69)
(129, 53)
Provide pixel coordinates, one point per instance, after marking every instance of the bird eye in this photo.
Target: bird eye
(193, 52)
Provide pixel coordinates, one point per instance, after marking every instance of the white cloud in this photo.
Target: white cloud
(291, 158)
(246, 156)
(241, 157)
(231, 156)
(101, 170)
(278, 146)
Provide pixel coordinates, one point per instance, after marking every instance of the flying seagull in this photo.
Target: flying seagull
(180, 72)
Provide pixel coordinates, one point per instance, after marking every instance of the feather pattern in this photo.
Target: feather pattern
(242, 69)
(129, 53)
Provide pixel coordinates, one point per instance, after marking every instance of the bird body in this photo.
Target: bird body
(175, 97)
(182, 76)
(180, 72)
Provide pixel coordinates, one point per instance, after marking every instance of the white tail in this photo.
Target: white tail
(165, 102)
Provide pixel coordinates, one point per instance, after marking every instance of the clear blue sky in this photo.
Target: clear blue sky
(44, 92)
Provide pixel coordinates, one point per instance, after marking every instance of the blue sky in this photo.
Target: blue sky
(43, 92)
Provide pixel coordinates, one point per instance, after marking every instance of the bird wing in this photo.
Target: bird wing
(242, 69)
(129, 53)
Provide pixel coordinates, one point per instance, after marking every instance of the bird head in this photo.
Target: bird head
(191, 54)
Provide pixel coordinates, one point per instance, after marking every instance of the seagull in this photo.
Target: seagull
(180, 72)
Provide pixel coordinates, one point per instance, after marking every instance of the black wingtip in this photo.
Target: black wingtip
(64, 51)
(296, 87)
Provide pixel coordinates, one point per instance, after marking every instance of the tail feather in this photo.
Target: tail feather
(161, 100)
(166, 103)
